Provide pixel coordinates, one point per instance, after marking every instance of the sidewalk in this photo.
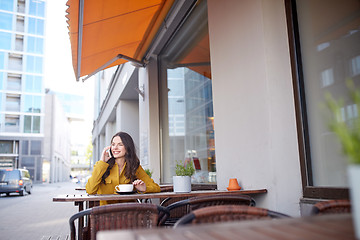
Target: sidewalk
(36, 216)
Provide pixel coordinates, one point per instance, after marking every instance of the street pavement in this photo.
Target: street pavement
(35, 216)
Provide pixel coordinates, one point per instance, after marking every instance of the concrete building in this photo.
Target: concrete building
(57, 141)
(237, 84)
(21, 85)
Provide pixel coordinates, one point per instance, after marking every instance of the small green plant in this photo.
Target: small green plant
(181, 170)
(148, 172)
(349, 135)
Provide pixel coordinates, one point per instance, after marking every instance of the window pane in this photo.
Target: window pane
(188, 112)
(34, 64)
(37, 104)
(5, 21)
(36, 124)
(2, 60)
(28, 103)
(7, 5)
(35, 45)
(37, 8)
(27, 124)
(25, 147)
(36, 26)
(35, 147)
(6, 146)
(5, 41)
(329, 39)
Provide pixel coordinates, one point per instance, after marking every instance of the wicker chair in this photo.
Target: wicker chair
(180, 208)
(226, 213)
(118, 216)
(331, 206)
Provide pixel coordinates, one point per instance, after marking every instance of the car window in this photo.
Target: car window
(8, 175)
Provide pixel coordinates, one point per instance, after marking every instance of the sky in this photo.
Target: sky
(58, 70)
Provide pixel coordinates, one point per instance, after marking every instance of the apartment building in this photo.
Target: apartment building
(22, 36)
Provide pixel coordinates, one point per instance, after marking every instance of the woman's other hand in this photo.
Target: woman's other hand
(139, 185)
(105, 156)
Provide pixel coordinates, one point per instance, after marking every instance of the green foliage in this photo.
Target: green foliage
(349, 135)
(181, 170)
(148, 172)
(89, 152)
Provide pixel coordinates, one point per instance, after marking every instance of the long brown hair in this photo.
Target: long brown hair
(131, 159)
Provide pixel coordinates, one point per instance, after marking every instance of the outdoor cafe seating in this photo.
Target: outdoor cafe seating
(226, 213)
(331, 206)
(117, 216)
(182, 207)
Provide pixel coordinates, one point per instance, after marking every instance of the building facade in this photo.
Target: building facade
(238, 87)
(22, 92)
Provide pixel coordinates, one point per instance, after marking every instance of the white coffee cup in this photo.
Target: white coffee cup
(124, 187)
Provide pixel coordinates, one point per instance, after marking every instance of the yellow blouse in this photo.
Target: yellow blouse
(95, 186)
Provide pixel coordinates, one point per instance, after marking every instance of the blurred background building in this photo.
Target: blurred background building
(22, 93)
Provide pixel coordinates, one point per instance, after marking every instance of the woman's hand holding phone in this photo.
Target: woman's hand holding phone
(106, 154)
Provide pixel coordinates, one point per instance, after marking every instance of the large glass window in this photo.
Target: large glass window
(37, 8)
(329, 38)
(35, 45)
(36, 26)
(33, 83)
(32, 104)
(31, 124)
(5, 21)
(7, 5)
(5, 41)
(34, 64)
(2, 61)
(187, 106)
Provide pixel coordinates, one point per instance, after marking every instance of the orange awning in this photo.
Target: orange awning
(112, 31)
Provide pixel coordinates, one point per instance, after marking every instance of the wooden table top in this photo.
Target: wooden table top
(99, 197)
(329, 227)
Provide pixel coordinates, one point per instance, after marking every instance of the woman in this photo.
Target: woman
(118, 165)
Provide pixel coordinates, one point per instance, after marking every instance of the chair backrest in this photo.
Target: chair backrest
(331, 206)
(181, 211)
(122, 216)
(225, 213)
(187, 205)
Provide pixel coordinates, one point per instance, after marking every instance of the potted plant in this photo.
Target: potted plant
(182, 180)
(148, 172)
(349, 137)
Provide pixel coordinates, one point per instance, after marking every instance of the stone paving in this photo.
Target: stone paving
(36, 216)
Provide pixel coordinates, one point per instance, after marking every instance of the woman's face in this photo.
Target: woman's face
(117, 147)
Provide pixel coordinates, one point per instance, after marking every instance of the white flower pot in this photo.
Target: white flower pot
(182, 183)
(354, 182)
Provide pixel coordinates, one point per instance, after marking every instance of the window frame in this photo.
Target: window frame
(309, 191)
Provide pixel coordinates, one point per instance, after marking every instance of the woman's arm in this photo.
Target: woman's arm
(92, 186)
(94, 181)
(144, 183)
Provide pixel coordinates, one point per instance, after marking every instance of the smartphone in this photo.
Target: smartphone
(110, 153)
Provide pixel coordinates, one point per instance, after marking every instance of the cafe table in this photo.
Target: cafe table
(79, 199)
(329, 227)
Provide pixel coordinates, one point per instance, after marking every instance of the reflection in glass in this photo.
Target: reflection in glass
(7, 5)
(5, 41)
(36, 26)
(33, 83)
(34, 64)
(37, 8)
(187, 112)
(5, 21)
(329, 39)
(35, 45)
